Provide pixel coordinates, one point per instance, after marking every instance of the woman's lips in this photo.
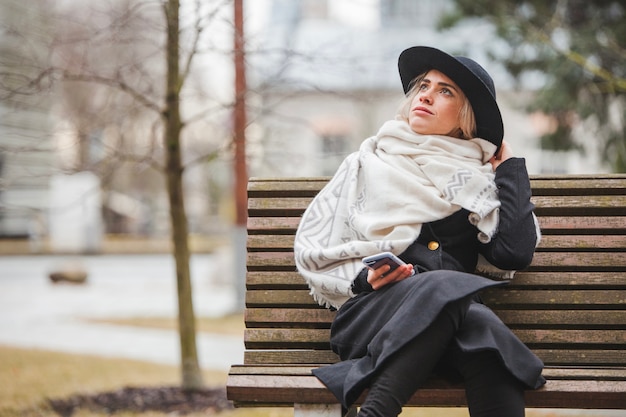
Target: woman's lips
(421, 109)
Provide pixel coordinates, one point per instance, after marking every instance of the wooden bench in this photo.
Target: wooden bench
(569, 306)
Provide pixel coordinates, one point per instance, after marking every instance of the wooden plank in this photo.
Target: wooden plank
(569, 279)
(577, 358)
(548, 299)
(271, 261)
(606, 205)
(567, 183)
(580, 205)
(272, 338)
(290, 356)
(284, 206)
(275, 280)
(561, 223)
(605, 374)
(523, 279)
(613, 184)
(582, 242)
(552, 357)
(273, 225)
(548, 242)
(586, 261)
(541, 337)
(286, 186)
(257, 243)
(565, 319)
(550, 372)
(579, 394)
(268, 298)
(288, 317)
(549, 224)
(288, 338)
(286, 370)
(579, 261)
(271, 389)
(573, 299)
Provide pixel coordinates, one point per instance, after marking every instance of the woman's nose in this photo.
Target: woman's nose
(425, 98)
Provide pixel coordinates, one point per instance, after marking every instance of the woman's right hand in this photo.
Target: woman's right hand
(505, 153)
(378, 278)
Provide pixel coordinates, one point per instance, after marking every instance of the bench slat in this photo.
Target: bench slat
(571, 299)
(286, 186)
(560, 357)
(576, 224)
(578, 185)
(614, 374)
(523, 279)
(564, 299)
(569, 279)
(254, 390)
(289, 356)
(579, 205)
(279, 317)
(581, 261)
(565, 319)
(540, 184)
(548, 242)
(544, 205)
(549, 224)
(270, 338)
(610, 261)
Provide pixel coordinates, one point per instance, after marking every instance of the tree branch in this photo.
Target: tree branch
(114, 83)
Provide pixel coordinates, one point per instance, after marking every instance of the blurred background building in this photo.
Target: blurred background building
(26, 150)
(321, 109)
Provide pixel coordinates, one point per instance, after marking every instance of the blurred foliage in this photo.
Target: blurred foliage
(578, 47)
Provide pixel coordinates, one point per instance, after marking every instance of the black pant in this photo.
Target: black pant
(490, 388)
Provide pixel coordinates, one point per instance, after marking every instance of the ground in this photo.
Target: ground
(137, 399)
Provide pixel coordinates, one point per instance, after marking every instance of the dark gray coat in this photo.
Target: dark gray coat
(375, 324)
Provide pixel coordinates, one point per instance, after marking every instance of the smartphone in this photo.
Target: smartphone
(383, 258)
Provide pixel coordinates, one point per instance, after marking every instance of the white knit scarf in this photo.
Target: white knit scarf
(380, 197)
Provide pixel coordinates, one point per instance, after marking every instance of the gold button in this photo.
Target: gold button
(433, 245)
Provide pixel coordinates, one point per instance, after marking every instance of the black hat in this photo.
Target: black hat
(476, 84)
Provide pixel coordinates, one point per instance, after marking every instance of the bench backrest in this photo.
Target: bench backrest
(569, 306)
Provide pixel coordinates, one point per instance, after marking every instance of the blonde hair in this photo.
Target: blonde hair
(467, 120)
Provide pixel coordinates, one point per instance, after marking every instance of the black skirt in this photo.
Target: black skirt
(373, 326)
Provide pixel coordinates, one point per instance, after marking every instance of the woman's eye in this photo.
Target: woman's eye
(423, 87)
(446, 91)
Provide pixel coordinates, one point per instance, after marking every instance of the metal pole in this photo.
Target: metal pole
(241, 171)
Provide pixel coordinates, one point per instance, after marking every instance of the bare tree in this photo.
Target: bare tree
(121, 68)
(192, 377)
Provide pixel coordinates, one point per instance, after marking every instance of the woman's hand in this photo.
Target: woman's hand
(378, 278)
(505, 153)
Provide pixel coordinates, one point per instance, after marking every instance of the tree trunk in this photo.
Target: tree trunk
(191, 374)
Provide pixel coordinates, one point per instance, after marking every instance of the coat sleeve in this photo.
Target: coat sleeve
(513, 246)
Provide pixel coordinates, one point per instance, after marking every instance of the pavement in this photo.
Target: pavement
(36, 313)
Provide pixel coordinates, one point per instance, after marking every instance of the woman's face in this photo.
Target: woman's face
(436, 106)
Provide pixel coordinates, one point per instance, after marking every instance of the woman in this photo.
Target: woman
(438, 187)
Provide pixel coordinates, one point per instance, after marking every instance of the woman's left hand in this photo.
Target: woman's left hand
(505, 153)
(380, 277)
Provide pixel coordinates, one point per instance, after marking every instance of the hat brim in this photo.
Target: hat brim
(420, 59)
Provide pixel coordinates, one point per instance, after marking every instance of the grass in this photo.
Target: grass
(29, 376)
